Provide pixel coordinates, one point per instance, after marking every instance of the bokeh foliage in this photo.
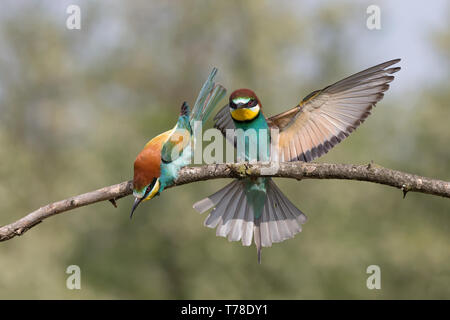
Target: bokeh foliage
(77, 106)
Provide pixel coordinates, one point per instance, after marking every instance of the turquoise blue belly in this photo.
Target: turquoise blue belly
(256, 188)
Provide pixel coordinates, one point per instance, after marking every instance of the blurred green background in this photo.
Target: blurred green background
(76, 107)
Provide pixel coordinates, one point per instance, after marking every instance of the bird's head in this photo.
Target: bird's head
(244, 105)
(145, 193)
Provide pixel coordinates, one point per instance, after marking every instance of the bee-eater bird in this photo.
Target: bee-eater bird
(157, 165)
(255, 207)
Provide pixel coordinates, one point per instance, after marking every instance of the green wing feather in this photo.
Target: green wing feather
(208, 97)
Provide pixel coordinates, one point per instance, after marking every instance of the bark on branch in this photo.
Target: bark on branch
(297, 170)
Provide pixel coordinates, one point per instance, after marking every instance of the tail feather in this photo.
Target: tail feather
(265, 231)
(213, 99)
(226, 216)
(248, 226)
(208, 97)
(203, 94)
(280, 220)
(207, 203)
(233, 216)
(225, 206)
(288, 217)
(270, 220)
(236, 223)
(258, 238)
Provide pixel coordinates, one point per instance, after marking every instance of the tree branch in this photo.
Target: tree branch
(297, 170)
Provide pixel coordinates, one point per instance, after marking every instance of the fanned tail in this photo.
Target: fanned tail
(207, 99)
(233, 217)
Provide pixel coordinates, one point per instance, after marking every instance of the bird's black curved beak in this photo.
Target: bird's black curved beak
(135, 205)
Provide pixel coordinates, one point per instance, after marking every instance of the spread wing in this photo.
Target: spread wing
(223, 121)
(326, 117)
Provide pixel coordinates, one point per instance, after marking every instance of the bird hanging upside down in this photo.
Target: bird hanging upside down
(157, 165)
(256, 208)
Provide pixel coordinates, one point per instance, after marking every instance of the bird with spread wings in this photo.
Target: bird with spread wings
(256, 208)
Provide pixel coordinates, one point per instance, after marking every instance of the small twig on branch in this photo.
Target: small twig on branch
(297, 170)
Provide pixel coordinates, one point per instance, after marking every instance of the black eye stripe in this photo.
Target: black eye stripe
(149, 188)
(252, 103)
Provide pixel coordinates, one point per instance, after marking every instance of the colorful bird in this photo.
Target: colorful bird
(157, 165)
(256, 208)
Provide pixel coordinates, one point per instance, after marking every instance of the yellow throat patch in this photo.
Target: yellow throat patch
(245, 114)
(153, 192)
